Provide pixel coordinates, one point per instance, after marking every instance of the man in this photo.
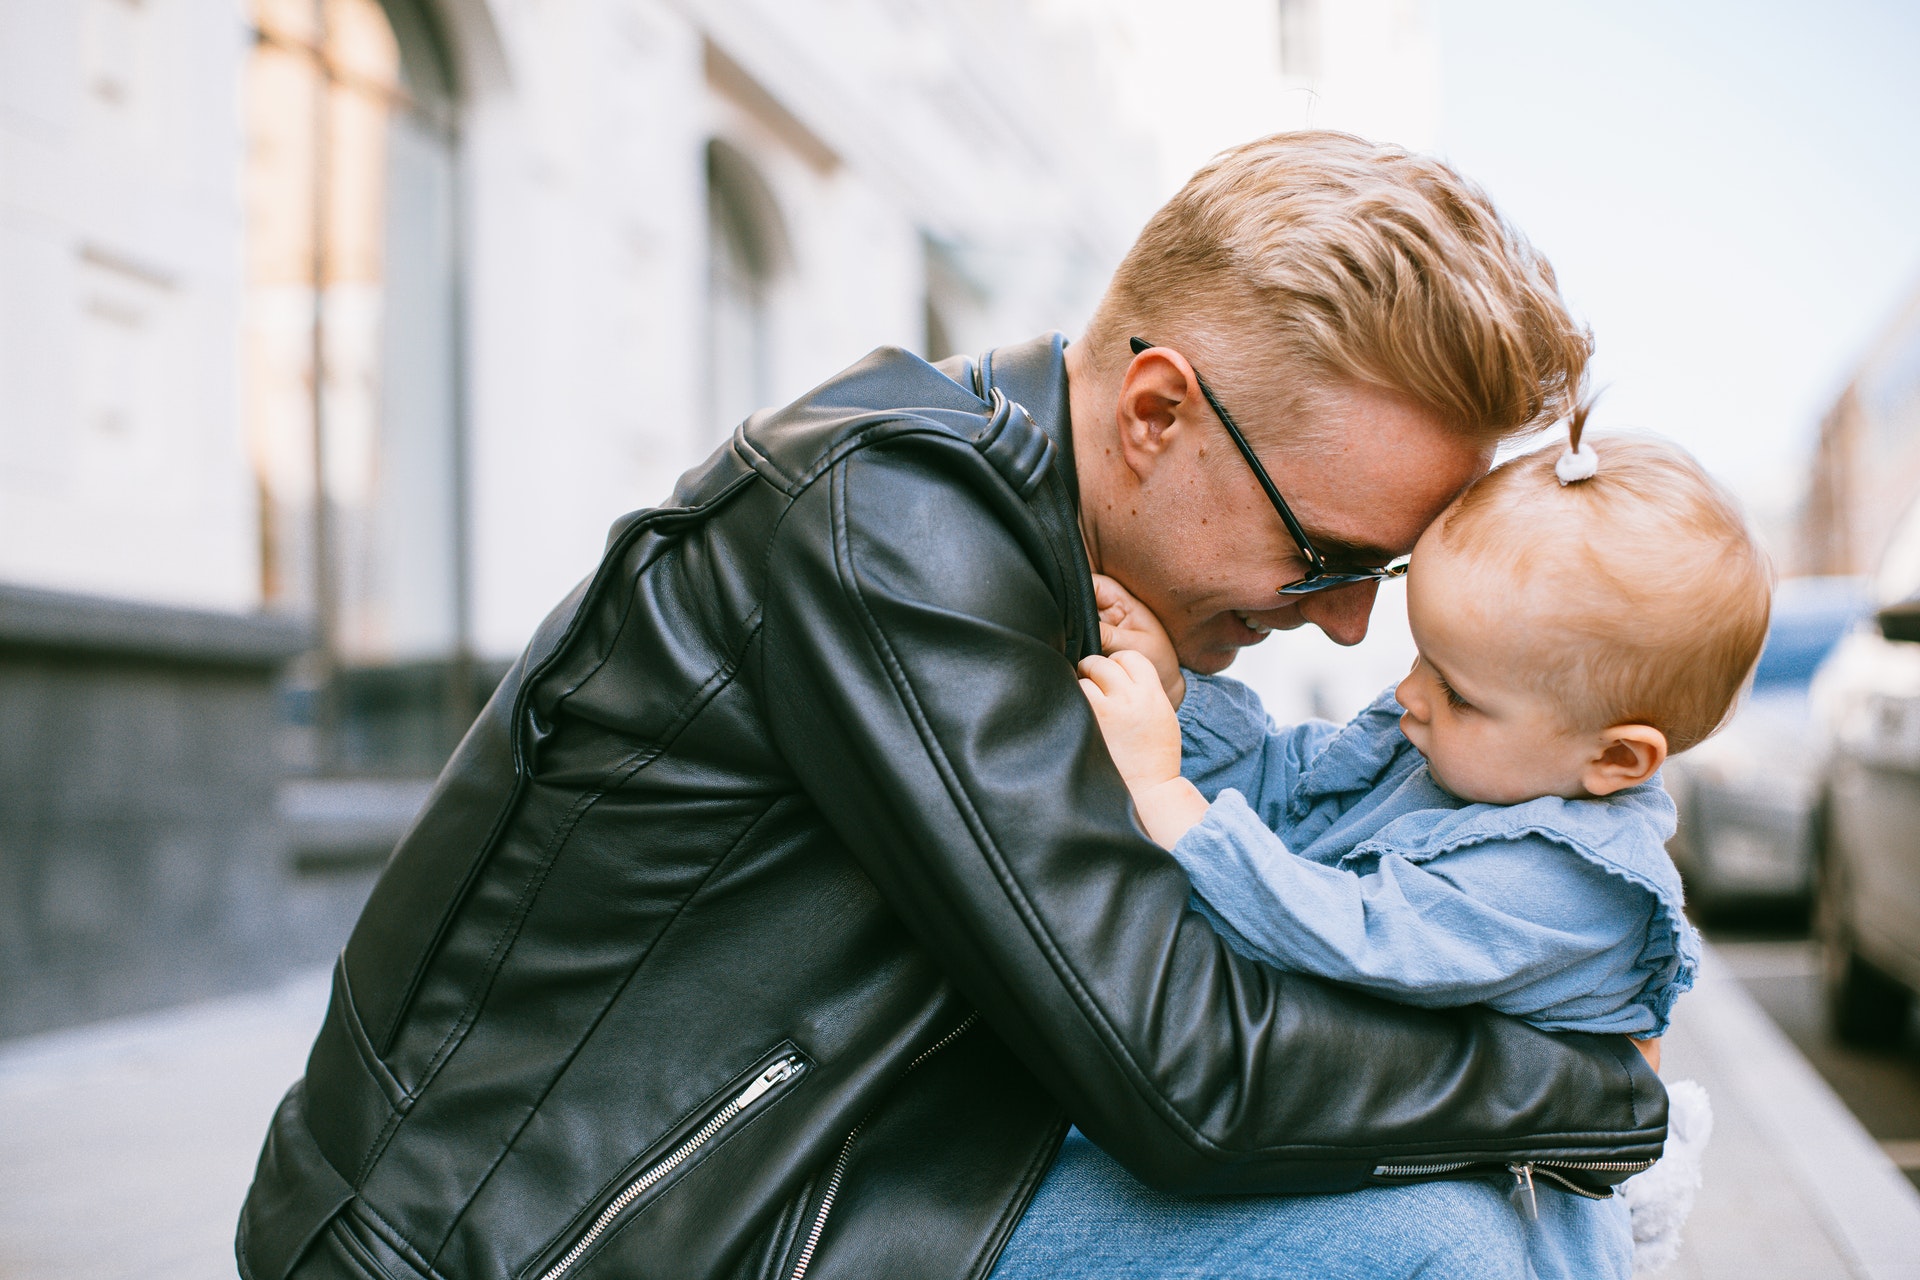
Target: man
(783, 907)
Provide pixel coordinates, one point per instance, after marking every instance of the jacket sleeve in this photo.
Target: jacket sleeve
(1521, 925)
(913, 668)
(1227, 741)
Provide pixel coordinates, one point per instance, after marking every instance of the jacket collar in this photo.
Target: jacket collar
(1033, 375)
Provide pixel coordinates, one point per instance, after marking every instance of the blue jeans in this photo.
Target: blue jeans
(1092, 1219)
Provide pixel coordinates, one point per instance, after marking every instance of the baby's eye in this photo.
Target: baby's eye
(1454, 700)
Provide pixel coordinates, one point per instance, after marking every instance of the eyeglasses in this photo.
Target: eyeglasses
(1319, 576)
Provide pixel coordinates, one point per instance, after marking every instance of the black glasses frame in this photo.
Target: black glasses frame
(1319, 576)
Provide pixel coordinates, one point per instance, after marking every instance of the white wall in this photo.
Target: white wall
(871, 122)
(122, 470)
(584, 192)
(1204, 75)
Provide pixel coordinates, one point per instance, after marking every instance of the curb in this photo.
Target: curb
(1870, 1212)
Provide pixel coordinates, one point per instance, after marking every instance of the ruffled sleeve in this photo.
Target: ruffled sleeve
(1508, 915)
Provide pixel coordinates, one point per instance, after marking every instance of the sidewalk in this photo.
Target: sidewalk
(1795, 1188)
(125, 1149)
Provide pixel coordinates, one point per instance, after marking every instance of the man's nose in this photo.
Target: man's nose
(1343, 612)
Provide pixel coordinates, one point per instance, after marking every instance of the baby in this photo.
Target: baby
(1492, 831)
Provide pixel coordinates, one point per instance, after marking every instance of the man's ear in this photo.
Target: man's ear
(1157, 393)
(1628, 755)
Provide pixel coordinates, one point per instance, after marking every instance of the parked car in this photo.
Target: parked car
(1867, 707)
(1748, 795)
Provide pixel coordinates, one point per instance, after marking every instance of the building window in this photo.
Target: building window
(350, 361)
(746, 251)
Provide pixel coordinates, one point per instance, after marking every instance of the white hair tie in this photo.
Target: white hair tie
(1578, 463)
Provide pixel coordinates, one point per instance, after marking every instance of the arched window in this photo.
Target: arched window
(747, 250)
(351, 378)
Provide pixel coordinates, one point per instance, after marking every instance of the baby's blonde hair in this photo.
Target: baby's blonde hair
(1316, 258)
(1646, 577)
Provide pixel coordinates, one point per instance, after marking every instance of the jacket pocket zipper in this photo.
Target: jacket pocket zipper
(805, 1259)
(779, 1072)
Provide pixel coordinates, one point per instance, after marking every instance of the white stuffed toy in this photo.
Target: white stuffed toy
(1661, 1198)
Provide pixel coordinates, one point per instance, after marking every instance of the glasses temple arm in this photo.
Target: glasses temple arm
(1316, 563)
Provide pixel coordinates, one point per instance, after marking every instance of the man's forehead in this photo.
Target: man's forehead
(1369, 504)
(1357, 538)
(1354, 551)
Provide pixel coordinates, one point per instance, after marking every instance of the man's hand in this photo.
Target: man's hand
(1125, 623)
(1143, 737)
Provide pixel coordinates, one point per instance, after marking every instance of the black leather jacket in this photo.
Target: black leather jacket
(783, 906)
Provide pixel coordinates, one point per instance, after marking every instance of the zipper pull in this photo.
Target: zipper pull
(1522, 1197)
(783, 1070)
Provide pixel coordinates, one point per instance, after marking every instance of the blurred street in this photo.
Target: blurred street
(1880, 1086)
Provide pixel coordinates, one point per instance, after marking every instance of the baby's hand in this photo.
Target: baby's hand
(1143, 736)
(1142, 732)
(1125, 623)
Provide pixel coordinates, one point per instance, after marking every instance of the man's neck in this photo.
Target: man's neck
(1090, 411)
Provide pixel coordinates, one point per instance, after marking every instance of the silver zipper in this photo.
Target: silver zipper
(826, 1205)
(805, 1259)
(1546, 1170)
(780, 1072)
(1621, 1166)
(1522, 1196)
(1568, 1184)
(1420, 1170)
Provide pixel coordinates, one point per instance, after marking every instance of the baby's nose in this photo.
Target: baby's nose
(1408, 695)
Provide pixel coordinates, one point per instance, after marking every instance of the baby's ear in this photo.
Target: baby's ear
(1627, 755)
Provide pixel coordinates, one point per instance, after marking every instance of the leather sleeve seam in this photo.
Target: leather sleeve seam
(903, 690)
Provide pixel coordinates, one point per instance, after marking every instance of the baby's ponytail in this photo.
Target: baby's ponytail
(1579, 462)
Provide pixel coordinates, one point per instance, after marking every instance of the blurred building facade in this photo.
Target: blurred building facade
(334, 333)
(1866, 469)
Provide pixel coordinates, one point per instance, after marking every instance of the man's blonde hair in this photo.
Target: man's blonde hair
(1645, 578)
(1324, 258)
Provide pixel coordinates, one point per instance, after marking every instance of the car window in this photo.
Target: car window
(1809, 617)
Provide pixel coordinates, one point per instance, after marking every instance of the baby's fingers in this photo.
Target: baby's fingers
(1137, 666)
(1107, 592)
(1106, 674)
(1113, 601)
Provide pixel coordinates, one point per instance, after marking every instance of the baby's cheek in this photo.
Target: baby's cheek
(1459, 758)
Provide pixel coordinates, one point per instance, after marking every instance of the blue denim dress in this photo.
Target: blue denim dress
(1332, 851)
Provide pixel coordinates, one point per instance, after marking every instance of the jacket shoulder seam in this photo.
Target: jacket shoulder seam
(873, 429)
